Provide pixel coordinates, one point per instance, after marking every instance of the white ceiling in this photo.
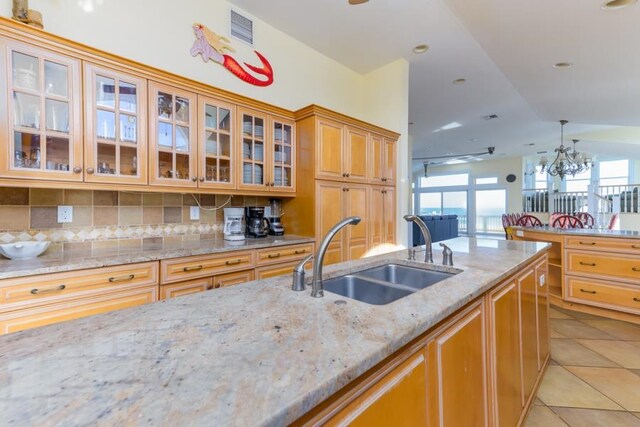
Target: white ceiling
(505, 49)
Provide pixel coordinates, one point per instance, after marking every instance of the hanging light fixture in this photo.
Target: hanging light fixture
(568, 161)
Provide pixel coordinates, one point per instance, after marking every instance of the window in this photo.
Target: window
(615, 172)
(488, 180)
(541, 178)
(445, 180)
(446, 203)
(580, 182)
(490, 205)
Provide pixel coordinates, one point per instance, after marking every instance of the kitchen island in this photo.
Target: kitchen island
(261, 354)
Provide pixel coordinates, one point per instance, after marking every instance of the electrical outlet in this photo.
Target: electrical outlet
(194, 213)
(65, 214)
(542, 280)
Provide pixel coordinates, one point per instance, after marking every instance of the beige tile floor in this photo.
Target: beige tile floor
(593, 378)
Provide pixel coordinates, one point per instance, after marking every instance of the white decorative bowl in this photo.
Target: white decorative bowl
(23, 250)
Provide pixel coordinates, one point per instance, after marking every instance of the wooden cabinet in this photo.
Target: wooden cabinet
(382, 216)
(330, 202)
(274, 270)
(389, 162)
(282, 155)
(504, 342)
(232, 279)
(41, 116)
(529, 331)
(217, 154)
(281, 254)
(173, 290)
(356, 155)
(115, 126)
(180, 269)
(457, 371)
(328, 149)
(356, 203)
(542, 296)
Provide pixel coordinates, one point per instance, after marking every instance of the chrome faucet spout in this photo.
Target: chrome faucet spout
(317, 286)
(428, 251)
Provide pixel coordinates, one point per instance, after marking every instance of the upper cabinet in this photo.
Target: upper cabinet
(356, 155)
(115, 126)
(329, 151)
(41, 115)
(216, 152)
(172, 136)
(382, 167)
(282, 155)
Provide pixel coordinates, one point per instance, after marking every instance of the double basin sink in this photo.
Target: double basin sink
(384, 284)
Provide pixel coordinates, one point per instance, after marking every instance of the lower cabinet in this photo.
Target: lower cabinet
(542, 297)
(231, 279)
(173, 290)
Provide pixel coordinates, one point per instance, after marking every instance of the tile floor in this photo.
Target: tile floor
(593, 378)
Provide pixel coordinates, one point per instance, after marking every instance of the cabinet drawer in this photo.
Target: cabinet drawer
(45, 289)
(180, 269)
(608, 266)
(603, 294)
(45, 315)
(231, 279)
(603, 244)
(185, 288)
(283, 253)
(277, 270)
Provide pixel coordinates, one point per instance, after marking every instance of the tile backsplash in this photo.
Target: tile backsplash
(111, 219)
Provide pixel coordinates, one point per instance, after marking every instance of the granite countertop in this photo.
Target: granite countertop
(251, 354)
(68, 261)
(594, 232)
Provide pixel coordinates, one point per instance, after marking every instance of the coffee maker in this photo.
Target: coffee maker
(256, 222)
(234, 228)
(273, 212)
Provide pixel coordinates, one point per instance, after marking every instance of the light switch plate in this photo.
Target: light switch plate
(65, 214)
(194, 213)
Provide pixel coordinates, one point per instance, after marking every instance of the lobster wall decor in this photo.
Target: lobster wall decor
(215, 47)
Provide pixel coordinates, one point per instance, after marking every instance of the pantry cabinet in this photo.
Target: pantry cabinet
(41, 114)
(115, 126)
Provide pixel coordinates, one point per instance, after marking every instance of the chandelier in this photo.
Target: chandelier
(568, 161)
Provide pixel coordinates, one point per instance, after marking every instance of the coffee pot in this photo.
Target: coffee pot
(233, 224)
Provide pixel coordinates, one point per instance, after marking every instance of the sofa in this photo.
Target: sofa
(441, 227)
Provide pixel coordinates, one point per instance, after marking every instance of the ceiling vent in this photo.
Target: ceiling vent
(241, 27)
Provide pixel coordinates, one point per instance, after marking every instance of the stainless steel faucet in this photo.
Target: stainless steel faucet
(298, 274)
(447, 255)
(428, 252)
(316, 286)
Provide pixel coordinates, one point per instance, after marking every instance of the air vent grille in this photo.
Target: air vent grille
(241, 27)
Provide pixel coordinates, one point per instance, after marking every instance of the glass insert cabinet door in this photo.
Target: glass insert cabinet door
(282, 155)
(42, 116)
(252, 131)
(173, 136)
(216, 160)
(115, 126)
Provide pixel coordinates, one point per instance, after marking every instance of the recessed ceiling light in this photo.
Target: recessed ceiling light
(618, 4)
(354, 2)
(421, 48)
(474, 140)
(563, 65)
(531, 144)
(459, 81)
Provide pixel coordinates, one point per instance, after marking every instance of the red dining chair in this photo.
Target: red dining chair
(529, 221)
(586, 218)
(506, 223)
(567, 221)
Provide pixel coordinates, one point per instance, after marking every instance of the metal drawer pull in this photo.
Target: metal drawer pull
(234, 262)
(587, 292)
(271, 256)
(121, 279)
(635, 268)
(195, 268)
(304, 251)
(635, 246)
(37, 291)
(587, 243)
(636, 299)
(590, 264)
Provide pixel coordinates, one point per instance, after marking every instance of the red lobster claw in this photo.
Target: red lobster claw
(266, 70)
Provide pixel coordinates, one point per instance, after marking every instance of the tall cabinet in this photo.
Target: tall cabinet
(353, 168)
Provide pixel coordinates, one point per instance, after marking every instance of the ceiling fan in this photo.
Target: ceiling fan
(354, 2)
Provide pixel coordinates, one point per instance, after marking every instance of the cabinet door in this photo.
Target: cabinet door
(376, 217)
(398, 399)
(504, 347)
(356, 204)
(185, 288)
(389, 168)
(41, 120)
(542, 295)
(457, 371)
(172, 136)
(356, 155)
(216, 144)
(283, 155)
(330, 203)
(376, 163)
(231, 279)
(115, 126)
(389, 211)
(329, 150)
(529, 330)
(253, 151)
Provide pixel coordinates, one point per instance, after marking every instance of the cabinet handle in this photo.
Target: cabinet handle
(344, 189)
(273, 183)
(636, 299)
(384, 179)
(234, 262)
(635, 246)
(194, 268)
(635, 269)
(202, 179)
(348, 175)
(77, 169)
(298, 252)
(587, 243)
(90, 171)
(344, 175)
(272, 256)
(266, 184)
(194, 178)
(590, 264)
(36, 291)
(587, 292)
(122, 278)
